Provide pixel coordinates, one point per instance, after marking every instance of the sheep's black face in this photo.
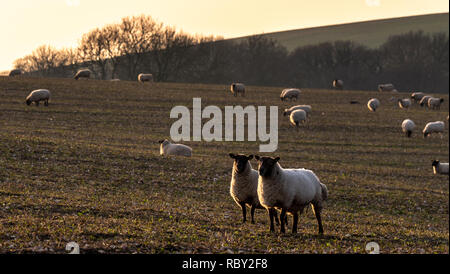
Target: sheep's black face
(435, 163)
(266, 165)
(28, 102)
(240, 161)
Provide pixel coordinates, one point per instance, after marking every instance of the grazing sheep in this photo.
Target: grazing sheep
(386, 87)
(433, 127)
(38, 95)
(290, 190)
(435, 103)
(244, 185)
(338, 84)
(408, 127)
(236, 88)
(15, 72)
(290, 93)
(373, 104)
(306, 108)
(439, 168)
(167, 148)
(417, 96)
(297, 116)
(82, 73)
(424, 100)
(404, 103)
(145, 77)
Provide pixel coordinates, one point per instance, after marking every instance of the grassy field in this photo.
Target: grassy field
(87, 169)
(369, 33)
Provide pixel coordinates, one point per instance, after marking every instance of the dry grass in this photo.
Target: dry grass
(87, 169)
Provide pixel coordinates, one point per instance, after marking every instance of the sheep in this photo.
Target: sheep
(167, 148)
(145, 77)
(297, 116)
(386, 87)
(38, 95)
(408, 127)
(338, 84)
(438, 167)
(404, 103)
(244, 185)
(373, 104)
(290, 190)
(306, 108)
(417, 96)
(236, 88)
(424, 100)
(290, 93)
(433, 127)
(82, 73)
(435, 103)
(15, 72)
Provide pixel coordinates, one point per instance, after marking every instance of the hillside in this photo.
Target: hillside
(87, 169)
(369, 33)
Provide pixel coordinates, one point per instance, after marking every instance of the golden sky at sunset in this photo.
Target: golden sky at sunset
(27, 24)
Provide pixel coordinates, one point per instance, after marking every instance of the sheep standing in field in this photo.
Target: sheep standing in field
(290, 190)
(297, 116)
(424, 100)
(306, 108)
(244, 185)
(37, 96)
(15, 72)
(433, 127)
(408, 126)
(386, 87)
(145, 77)
(435, 103)
(290, 93)
(373, 104)
(338, 84)
(167, 148)
(82, 73)
(237, 88)
(439, 168)
(404, 103)
(417, 96)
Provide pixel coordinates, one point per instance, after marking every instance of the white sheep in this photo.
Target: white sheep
(290, 190)
(435, 103)
(424, 100)
(290, 93)
(404, 103)
(386, 87)
(15, 72)
(145, 77)
(306, 108)
(408, 126)
(297, 116)
(37, 96)
(82, 73)
(167, 148)
(373, 104)
(433, 127)
(338, 84)
(236, 88)
(439, 168)
(417, 96)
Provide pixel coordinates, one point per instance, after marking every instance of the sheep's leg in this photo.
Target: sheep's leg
(244, 212)
(252, 212)
(317, 210)
(271, 215)
(294, 224)
(282, 219)
(277, 221)
(46, 103)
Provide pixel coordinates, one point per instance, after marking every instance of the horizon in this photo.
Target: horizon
(24, 38)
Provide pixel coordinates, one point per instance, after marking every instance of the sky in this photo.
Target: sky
(27, 24)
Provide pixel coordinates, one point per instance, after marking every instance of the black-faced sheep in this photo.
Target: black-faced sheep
(290, 93)
(167, 148)
(145, 77)
(82, 73)
(37, 96)
(439, 168)
(237, 88)
(433, 127)
(338, 84)
(408, 126)
(373, 104)
(15, 72)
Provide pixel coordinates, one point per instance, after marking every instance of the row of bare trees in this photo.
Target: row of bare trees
(412, 61)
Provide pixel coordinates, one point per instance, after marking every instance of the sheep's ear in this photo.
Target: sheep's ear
(232, 155)
(277, 159)
(250, 157)
(257, 157)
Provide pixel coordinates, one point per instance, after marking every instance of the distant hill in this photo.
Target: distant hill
(369, 33)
